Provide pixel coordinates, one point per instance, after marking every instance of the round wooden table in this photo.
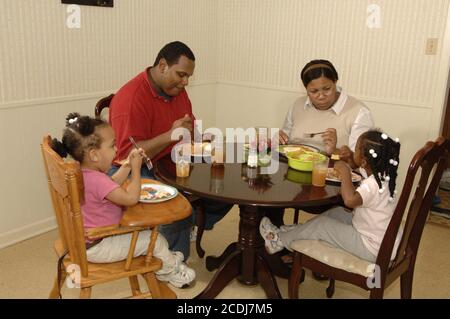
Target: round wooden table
(256, 194)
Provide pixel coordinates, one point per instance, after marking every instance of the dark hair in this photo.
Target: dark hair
(79, 135)
(316, 69)
(172, 51)
(384, 164)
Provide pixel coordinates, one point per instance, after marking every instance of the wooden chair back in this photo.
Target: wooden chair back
(426, 169)
(65, 183)
(102, 104)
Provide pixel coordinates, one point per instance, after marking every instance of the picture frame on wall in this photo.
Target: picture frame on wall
(97, 3)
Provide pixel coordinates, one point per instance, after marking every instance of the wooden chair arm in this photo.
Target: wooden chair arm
(110, 230)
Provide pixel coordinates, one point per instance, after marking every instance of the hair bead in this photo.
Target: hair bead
(74, 120)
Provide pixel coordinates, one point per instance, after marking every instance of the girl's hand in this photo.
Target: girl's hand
(343, 168)
(329, 138)
(346, 154)
(135, 159)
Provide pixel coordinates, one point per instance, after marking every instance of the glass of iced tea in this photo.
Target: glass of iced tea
(183, 168)
(319, 172)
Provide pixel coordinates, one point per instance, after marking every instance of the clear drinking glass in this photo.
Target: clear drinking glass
(319, 172)
(183, 168)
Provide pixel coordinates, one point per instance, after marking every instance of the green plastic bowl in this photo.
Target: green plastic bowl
(299, 176)
(303, 161)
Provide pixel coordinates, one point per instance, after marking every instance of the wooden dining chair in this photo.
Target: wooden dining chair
(102, 104)
(65, 182)
(426, 167)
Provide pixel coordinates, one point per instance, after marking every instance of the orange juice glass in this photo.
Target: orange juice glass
(183, 168)
(319, 172)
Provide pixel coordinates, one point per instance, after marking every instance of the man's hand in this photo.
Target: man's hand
(185, 122)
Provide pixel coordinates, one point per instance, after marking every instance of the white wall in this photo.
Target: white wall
(264, 44)
(48, 70)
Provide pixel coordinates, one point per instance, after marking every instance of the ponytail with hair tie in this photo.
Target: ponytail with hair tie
(59, 148)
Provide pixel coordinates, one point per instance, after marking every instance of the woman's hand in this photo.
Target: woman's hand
(283, 138)
(329, 138)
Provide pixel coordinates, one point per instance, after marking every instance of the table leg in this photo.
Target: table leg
(245, 259)
(226, 273)
(215, 262)
(266, 279)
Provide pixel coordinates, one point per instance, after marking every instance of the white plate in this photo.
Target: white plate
(167, 191)
(332, 178)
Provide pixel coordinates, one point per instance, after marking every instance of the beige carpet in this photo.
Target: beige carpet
(27, 269)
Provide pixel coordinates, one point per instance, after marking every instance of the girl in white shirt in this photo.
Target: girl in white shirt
(360, 231)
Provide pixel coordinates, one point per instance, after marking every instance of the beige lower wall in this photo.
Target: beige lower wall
(25, 207)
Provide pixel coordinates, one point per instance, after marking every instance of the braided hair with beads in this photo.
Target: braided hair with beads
(382, 154)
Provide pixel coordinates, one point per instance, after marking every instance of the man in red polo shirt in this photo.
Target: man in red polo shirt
(154, 103)
(149, 107)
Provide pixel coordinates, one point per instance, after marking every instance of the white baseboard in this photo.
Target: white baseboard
(26, 232)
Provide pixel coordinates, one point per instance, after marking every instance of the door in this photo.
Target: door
(446, 128)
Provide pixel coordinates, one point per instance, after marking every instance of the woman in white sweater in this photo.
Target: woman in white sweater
(328, 109)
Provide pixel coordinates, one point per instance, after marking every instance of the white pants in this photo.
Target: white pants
(115, 248)
(333, 226)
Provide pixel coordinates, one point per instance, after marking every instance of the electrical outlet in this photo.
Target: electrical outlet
(431, 47)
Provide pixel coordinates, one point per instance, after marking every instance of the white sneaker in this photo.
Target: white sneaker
(178, 256)
(269, 233)
(193, 236)
(180, 277)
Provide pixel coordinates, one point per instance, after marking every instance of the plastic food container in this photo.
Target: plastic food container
(303, 161)
(299, 176)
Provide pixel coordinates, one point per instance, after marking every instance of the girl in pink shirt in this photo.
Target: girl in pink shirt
(92, 142)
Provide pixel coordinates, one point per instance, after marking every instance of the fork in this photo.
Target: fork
(309, 135)
(147, 159)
